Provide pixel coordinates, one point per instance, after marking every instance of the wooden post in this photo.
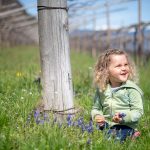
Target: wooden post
(94, 50)
(55, 55)
(108, 25)
(140, 38)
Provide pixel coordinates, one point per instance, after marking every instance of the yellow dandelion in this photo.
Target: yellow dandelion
(18, 74)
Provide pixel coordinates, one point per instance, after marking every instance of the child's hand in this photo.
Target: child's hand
(116, 118)
(100, 120)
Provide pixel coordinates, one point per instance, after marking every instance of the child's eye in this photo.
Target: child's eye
(118, 66)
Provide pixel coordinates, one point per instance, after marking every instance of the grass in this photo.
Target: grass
(19, 95)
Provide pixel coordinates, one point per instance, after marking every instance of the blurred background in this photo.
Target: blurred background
(94, 25)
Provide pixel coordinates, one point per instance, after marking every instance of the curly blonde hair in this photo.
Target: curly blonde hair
(101, 68)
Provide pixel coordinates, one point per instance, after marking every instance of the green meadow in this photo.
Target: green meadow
(21, 129)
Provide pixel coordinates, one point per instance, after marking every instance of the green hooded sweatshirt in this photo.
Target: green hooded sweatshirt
(125, 99)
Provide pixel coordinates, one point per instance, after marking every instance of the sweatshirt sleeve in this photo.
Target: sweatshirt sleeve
(136, 106)
(97, 106)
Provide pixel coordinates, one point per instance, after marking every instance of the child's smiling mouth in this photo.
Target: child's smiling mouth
(125, 73)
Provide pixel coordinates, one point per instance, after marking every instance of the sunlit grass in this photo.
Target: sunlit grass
(19, 95)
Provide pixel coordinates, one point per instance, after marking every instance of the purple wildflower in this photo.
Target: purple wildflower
(122, 115)
(69, 120)
(83, 128)
(41, 121)
(69, 117)
(80, 121)
(74, 123)
(37, 120)
(46, 117)
(36, 113)
(69, 123)
(90, 123)
(89, 127)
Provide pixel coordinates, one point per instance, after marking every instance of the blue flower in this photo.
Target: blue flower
(36, 113)
(46, 117)
(37, 120)
(74, 123)
(83, 128)
(41, 122)
(89, 127)
(80, 121)
(122, 115)
(91, 123)
(69, 117)
(69, 123)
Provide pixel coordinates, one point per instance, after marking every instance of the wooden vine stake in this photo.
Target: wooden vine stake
(57, 92)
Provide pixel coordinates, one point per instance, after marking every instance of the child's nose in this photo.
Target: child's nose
(123, 68)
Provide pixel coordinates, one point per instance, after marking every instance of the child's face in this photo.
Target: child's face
(118, 70)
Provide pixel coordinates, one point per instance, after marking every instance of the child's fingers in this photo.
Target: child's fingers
(101, 123)
(117, 115)
(99, 119)
(116, 119)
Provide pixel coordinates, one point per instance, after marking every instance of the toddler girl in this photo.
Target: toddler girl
(118, 100)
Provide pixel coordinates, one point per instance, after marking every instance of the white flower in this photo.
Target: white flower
(90, 68)
(23, 90)
(30, 93)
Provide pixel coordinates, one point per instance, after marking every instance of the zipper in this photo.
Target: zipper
(111, 105)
